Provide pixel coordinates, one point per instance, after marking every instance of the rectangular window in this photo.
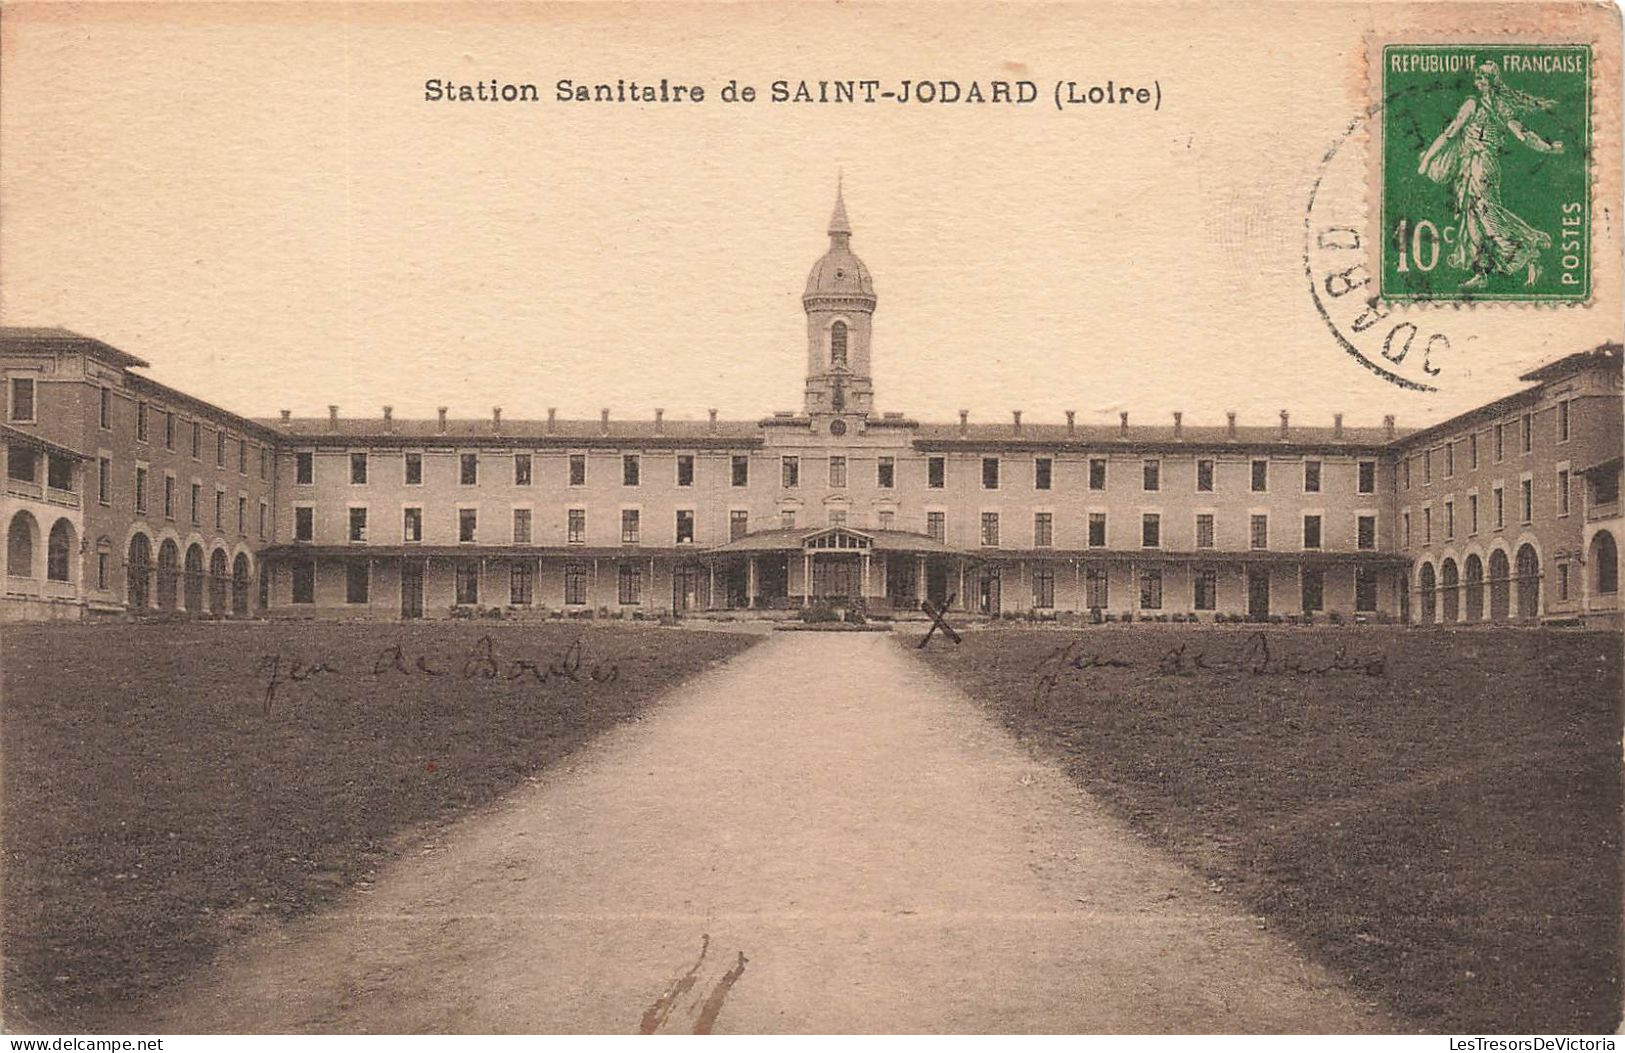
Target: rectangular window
(1150, 530)
(140, 412)
(1096, 588)
(1405, 471)
(412, 524)
(304, 523)
(468, 469)
(1405, 526)
(578, 469)
(631, 526)
(631, 583)
(738, 524)
(1097, 529)
(265, 511)
(468, 525)
(521, 469)
(169, 429)
(575, 584)
(1472, 515)
(990, 473)
(1311, 531)
(1314, 589)
(169, 497)
(197, 503)
(1365, 533)
(356, 582)
(522, 583)
(1151, 590)
(787, 519)
(106, 408)
(242, 456)
(1204, 476)
(739, 469)
(197, 441)
(1563, 490)
(1261, 476)
(1449, 460)
(140, 489)
(990, 528)
(1500, 443)
(685, 469)
(414, 469)
(837, 471)
(1311, 477)
(1449, 519)
(219, 509)
(1526, 500)
(358, 468)
(685, 526)
(1498, 507)
(1472, 452)
(886, 473)
(1097, 473)
(1563, 422)
(936, 525)
(887, 519)
(242, 514)
(1368, 477)
(304, 468)
(1365, 589)
(264, 459)
(1527, 432)
(1427, 467)
(1563, 575)
(521, 526)
(1427, 526)
(1259, 533)
(1151, 475)
(1043, 529)
(936, 473)
(631, 469)
(101, 570)
(1204, 530)
(1043, 472)
(576, 526)
(104, 480)
(304, 581)
(219, 449)
(837, 517)
(790, 472)
(1043, 588)
(468, 583)
(1205, 590)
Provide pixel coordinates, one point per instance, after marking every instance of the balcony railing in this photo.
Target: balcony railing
(1608, 510)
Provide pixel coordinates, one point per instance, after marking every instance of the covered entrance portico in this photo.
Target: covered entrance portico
(835, 565)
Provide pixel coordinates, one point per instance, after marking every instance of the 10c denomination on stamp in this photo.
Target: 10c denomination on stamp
(1485, 170)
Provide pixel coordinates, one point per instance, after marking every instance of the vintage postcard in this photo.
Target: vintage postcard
(782, 518)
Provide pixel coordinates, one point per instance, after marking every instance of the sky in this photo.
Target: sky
(261, 203)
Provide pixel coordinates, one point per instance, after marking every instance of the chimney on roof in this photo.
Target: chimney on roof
(1071, 422)
(333, 418)
(964, 422)
(287, 415)
(1230, 424)
(660, 422)
(1179, 425)
(1122, 423)
(1388, 425)
(603, 422)
(1284, 420)
(1015, 421)
(496, 419)
(389, 418)
(1337, 425)
(552, 415)
(442, 412)
(712, 426)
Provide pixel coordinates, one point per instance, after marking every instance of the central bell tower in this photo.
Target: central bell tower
(840, 305)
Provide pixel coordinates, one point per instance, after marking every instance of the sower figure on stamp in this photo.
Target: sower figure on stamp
(1489, 237)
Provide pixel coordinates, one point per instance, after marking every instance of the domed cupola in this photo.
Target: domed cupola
(840, 303)
(839, 275)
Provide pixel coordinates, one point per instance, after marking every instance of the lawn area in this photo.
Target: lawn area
(169, 787)
(1435, 815)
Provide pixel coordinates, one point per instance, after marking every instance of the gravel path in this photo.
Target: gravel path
(819, 836)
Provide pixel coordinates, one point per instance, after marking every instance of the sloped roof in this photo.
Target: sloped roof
(427, 430)
(23, 339)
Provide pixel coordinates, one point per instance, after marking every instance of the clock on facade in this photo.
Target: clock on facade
(837, 427)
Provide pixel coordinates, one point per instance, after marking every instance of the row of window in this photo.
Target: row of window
(22, 465)
(1204, 589)
(468, 472)
(1525, 426)
(1526, 509)
(104, 488)
(467, 583)
(23, 402)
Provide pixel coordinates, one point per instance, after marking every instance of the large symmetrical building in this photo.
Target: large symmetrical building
(126, 496)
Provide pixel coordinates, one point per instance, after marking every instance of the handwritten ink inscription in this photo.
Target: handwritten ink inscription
(480, 662)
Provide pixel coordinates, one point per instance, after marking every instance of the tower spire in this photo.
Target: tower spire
(838, 225)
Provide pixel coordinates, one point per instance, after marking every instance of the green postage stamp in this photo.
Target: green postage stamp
(1486, 157)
